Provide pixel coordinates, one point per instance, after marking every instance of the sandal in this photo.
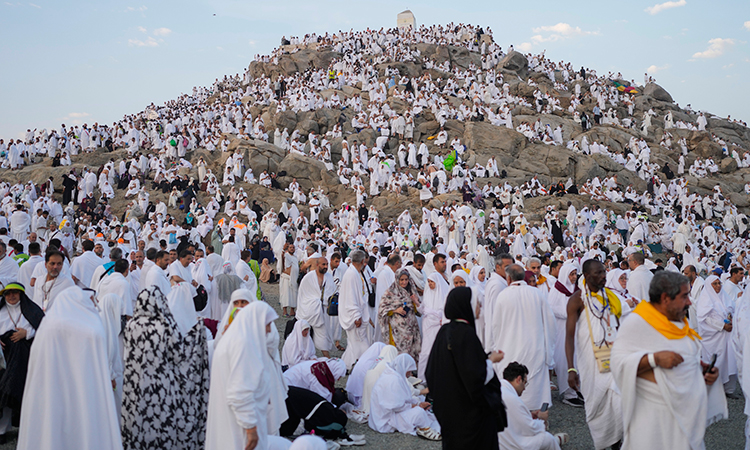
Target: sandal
(429, 433)
(563, 438)
(340, 347)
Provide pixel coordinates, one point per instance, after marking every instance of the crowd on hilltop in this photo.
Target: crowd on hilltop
(192, 270)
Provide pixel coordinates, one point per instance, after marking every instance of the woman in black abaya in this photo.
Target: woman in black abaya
(469, 408)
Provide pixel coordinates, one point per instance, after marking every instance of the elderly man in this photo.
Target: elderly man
(315, 290)
(354, 314)
(640, 277)
(534, 265)
(594, 315)
(525, 330)
(668, 394)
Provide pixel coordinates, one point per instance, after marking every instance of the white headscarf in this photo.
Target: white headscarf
(298, 348)
(356, 381)
(564, 274)
(474, 275)
(710, 300)
(460, 273)
(180, 302)
(387, 354)
(613, 281)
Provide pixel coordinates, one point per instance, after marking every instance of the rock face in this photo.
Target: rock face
(658, 92)
(486, 139)
(517, 63)
(728, 165)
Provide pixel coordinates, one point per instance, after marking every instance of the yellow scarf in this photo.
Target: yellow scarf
(663, 325)
(614, 300)
(542, 279)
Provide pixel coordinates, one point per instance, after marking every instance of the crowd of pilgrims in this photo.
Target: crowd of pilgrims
(160, 328)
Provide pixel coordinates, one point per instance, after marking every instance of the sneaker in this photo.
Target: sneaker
(575, 402)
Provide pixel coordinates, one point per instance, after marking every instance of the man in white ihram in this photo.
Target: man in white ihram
(353, 312)
(640, 277)
(313, 294)
(525, 330)
(668, 394)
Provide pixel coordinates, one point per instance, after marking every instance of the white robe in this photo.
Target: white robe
(116, 283)
(603, 403)
(712, 311)
(288, 283)
(525, 331)
(156, 276)
(638, 282)
(386, 277)
(311, 306)
(8, 270)
(352, 307)
(84, 265)
(242, 382)
(523, 431)
(69, 350)
(45, 292)
(674, 411)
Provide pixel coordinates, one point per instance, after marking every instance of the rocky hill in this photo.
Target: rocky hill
(520, 157)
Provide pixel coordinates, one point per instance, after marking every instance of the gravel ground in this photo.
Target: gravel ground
(728, 434)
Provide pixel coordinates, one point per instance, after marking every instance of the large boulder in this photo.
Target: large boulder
(657, 92)
(286, 119)
(728, 165)
(486, 140)
(264, 156)
(309, 172)
(516, 62)
(708, 149)
(587, 169)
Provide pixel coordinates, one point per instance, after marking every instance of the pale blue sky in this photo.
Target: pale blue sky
(93, 61)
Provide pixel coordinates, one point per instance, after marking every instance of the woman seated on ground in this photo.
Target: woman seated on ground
(387, 355)
(397, 406)
(267, 273)
(355, 383)
(298, 346)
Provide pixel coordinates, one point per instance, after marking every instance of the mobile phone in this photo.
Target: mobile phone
(711, 366)
(545, 407)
